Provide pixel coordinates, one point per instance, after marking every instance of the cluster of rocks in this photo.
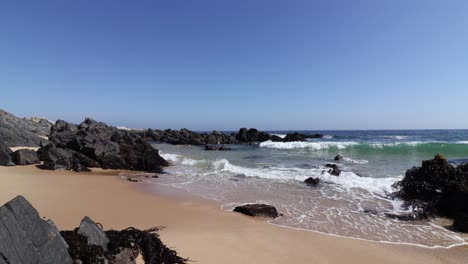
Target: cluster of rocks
(187, 137)
(437, 188)
(216, 147)
(26, 238)
(95, 144)
(29, 132)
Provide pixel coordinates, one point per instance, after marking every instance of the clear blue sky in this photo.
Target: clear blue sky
(225, 64)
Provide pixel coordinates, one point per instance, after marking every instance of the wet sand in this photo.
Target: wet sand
(197, 228)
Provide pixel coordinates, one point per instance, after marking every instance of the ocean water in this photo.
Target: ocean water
(351, 205)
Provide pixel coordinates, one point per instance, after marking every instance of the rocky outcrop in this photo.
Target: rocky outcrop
(25, 157)
(260, 210)
(334, 169)
(26, 238)
(5, 155)
(244, 135)
(219, 148)
(312, 181)
(95, 144)
(15, 131)
(438, 187)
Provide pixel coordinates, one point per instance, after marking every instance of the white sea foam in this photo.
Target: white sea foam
(279, 135)
(328, 136)
(170, 157)
(356, 161)
(307, 144)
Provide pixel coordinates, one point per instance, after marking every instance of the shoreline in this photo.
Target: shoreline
(196, 227)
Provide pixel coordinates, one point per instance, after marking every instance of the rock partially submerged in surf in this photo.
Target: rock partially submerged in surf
(440, 187)
(214, 147)
(187, 137)
(95, 144)
(312, 181)
(334, 169)
(259, 210)
(338, 157)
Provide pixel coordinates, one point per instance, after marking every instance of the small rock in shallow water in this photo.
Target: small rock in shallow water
(261, 210)
(334, 169)
(312, 181)
(338, 157)
(461, 223)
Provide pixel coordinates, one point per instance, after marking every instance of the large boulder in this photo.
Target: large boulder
(25, 157)
(26, 238)
(261, 210)
(5, 155)
(437, 186)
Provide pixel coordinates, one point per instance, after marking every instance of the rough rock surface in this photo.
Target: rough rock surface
(213, 147)
(89, 229)
(261, 210)
(312, 181)
(5, 155)
(25, 157)
(438, 187)
(26, 238)
(15, 131)
(244, 135)
(334, 169)
(338, 157)
(95, 144)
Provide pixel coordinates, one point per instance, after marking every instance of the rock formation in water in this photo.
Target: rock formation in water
(439, 187)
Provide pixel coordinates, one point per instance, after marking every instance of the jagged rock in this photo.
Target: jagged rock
(338, 157)
(93, 233)
(312, 181)
(15, 131)
(25, 157)
(261, 210)
(26, 238)
(334, 169)
(276, 138)
(5, 155)
(461, 222)
(95, 144)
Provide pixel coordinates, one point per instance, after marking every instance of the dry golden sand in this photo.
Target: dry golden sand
(195, 227)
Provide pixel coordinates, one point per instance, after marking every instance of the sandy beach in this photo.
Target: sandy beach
(195, 227)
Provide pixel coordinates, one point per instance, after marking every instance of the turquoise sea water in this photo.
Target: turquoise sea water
(273, 172)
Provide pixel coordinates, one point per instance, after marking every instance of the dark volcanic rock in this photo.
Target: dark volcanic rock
(26, 238)
(440, 188)
(15, 131)
(314, 136)
(312, 181)
(334, 169)
(25, 157)
(252, 135)
(220, 148)
(95, 144)
(94, 234)
(261, 210)
(338, 157)
(5, 155)
(294, 137)
(461, 222)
